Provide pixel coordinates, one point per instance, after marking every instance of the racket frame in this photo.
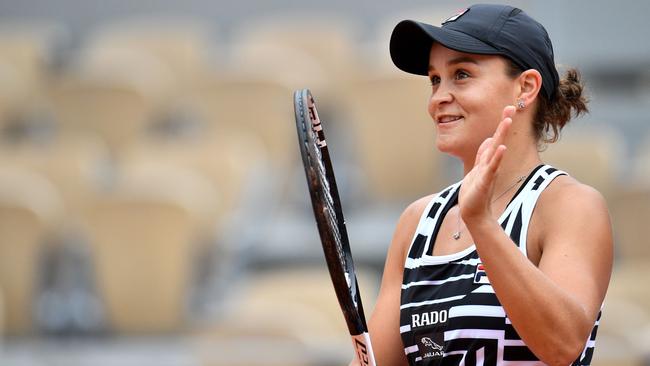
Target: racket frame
(328, 213)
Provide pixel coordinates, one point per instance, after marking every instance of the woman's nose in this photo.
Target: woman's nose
(440, 95)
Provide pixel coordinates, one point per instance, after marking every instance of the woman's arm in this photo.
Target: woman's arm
(552, 306)
(384, 322)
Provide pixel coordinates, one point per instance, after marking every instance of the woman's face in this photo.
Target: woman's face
(468, 94)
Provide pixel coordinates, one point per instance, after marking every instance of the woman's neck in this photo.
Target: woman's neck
(518, 160)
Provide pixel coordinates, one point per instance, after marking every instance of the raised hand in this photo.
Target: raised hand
(475, 196)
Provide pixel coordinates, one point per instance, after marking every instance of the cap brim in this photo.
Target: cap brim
(411, 41)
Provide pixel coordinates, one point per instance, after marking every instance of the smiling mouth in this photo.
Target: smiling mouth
(448, 119)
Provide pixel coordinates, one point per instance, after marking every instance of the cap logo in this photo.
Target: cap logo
(455, 17)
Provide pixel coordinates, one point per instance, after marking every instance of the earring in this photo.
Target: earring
(521, 104)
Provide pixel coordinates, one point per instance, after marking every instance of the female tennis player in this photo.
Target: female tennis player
(510, 265)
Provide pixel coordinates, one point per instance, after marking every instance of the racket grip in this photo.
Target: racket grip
(363, 349)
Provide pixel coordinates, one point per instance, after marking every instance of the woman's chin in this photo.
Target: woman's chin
(450, 147)
(446, 145)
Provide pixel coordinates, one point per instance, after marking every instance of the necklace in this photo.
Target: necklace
(456, 234)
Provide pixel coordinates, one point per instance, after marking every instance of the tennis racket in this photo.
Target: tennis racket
(329, 219)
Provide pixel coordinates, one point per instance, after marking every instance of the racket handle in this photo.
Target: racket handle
(363, 349)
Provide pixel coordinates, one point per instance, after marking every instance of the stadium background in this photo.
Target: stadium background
(153, 210)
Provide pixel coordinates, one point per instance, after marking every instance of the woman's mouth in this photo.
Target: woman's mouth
(448, 119)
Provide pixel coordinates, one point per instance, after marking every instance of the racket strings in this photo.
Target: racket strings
(329, 210)
(330, 213)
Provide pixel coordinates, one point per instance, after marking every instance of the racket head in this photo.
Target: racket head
(327, 209)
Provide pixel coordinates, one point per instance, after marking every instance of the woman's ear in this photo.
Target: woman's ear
(530, 83)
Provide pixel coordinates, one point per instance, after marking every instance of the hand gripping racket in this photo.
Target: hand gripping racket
(329, 219)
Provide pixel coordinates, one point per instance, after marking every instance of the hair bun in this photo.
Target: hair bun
(568, 102)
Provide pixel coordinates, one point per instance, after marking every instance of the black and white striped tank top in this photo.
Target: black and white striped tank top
(449, 314)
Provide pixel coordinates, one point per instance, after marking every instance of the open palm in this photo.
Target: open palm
(478, 185)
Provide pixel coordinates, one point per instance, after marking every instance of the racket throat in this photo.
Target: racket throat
(363, 349)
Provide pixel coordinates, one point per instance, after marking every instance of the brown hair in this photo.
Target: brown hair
(551, 116)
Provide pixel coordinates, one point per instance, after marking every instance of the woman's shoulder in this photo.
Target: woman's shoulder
(567, 200)
(569, 211)
(414, 211)
(567, 191)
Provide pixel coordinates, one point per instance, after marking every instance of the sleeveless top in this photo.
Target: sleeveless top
(449, 313)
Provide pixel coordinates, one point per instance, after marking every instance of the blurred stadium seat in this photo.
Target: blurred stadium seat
(329, 41)
(641, 164)
(225, 160)
(269, 61)
(295, 304)
(31, 211)
(239, 104)
(14, 93)
(131, 66)
(626, 318)
(143, 235)
(630, 212)
(115, 110)
(181, 46)
(592, 155)
(27, 55)
(2, 318)
(396, 146)
(29, 47)
(77, 165)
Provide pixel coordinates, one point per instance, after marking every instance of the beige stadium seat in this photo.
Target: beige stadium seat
(329, 41)
(31, 211)
(226, 161)
(26, 51)
(133, 66)
(76, 164)
(628, 284)
(268, 61)
(619, 332)
(116, 111)
(291, 303)
(395, 137)
(630, 211)
(641, 164)
(28, 47)
(14, 93)
(260, 108)
(143, 236)
(623, 332)
(591, 154)
(181, 46)
(2, 316)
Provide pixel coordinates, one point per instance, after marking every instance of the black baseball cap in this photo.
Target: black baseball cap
(486, 29)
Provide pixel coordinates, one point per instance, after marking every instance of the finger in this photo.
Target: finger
(502, 131)
(496, 160)
(500, 134)
(488, 147)
(508, 111)
(504, 125)
(497, 140)
(481, 150)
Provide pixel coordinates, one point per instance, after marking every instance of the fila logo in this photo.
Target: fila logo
(455, 17)
(428, 318)
(480, 277)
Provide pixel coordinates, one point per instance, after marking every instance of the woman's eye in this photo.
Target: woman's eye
(461, 75)
(435, 80)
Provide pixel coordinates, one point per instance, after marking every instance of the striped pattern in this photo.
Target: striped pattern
(448, 317)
